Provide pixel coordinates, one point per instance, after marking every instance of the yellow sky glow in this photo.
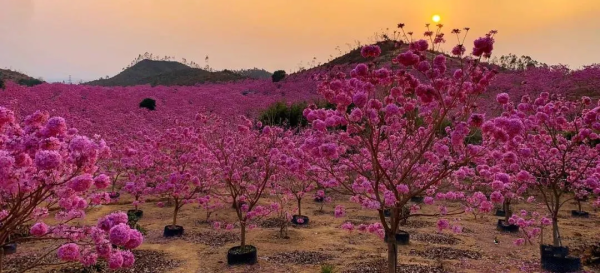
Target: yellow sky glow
(93, 38)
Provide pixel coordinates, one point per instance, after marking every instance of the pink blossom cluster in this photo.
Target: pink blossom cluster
(377, 130)
(43, 163)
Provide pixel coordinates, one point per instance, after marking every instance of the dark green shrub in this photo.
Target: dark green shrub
(148, 103)
(29, 82)
(474, 137)
(280, 114)
(278, 75)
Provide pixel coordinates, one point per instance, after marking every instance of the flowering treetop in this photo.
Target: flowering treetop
(45, 165)
(246, 160)
(553, 141)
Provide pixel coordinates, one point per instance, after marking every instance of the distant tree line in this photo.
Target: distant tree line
(513, 62)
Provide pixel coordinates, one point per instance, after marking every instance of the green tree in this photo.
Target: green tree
(278, 75)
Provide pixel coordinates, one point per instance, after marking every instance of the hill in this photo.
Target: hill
(142, 70)
(189, 77)
(165, 73)
(254, 73)
(17, 77)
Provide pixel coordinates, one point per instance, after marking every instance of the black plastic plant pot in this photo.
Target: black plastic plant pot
(562, 264)
(173, 231)
(303, 221)
(242, 255)
(114, 195)
(503, 227)
(580, 214)
(136, 212)
(556, 259)
(319, 199)
(417, 199)
(402, 238)
(553, 251)
(10, 248)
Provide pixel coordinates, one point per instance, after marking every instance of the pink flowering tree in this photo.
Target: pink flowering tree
(115, 167)
(296, 179)
(394, 136)
(246, 161)
(555, 142)
(209, 204)
(45, 166)
(498, 169)
(282, 208)
(139, 164)
(531, 225)
(185, 177)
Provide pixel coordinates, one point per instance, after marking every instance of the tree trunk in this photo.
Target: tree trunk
(555, 234)
(392, 253)
(175, 214)
(1, 258)
(579, 204)
(299, 207)
(507, 214)
(243, 237)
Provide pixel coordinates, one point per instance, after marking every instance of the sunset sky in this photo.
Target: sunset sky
(92, 38)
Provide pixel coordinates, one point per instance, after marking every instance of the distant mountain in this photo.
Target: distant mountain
(18, 77)
(191, 76)
(165, 73)
(142, 70)
(254, 73)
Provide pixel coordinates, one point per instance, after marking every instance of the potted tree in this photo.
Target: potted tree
(140, 169)
(187, 178)
(390, 140)
(63, 165)
(558, 165)
(246, 162)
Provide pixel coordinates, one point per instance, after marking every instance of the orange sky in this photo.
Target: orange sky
(92, 38)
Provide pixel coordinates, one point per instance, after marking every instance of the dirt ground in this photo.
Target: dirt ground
(203, 249)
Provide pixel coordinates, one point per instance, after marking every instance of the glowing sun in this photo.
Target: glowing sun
(436, 18)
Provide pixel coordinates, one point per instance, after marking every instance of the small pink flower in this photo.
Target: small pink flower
(119, 234)
(81, 183)
(502, 98)
(457, 229)
(116, 260)
(519, 242)
(546, 221)
(402, 188)
(69, 252)
(39, 229)
(348, 226)
(442, 224)
(135, 239)
(104, 250)
(229, 227)
(89, 258)
(102, 181)
(128, 259)
(217, 225)
(339, 211)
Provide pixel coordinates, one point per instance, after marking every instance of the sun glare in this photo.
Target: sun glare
(436, 18)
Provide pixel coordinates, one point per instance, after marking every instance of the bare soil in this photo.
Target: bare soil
(203, 249)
